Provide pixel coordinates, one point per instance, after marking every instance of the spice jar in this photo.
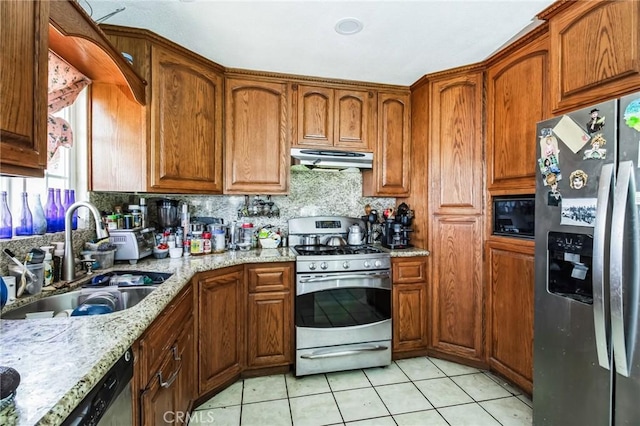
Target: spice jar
(206, 242)
(196, 244)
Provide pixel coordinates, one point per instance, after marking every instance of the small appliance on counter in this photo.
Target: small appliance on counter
(397, 230)
(133, 244)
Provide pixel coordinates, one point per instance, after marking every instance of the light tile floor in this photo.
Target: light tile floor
(410, 392)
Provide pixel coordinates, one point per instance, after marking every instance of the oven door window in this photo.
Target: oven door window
(343, 307)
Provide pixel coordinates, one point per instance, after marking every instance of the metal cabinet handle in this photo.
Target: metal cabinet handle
(174, 375)
(345, 352)
(623, 340)
(344, 277)
(599, 247)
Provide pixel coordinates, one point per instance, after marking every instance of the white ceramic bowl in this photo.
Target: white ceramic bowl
(160, 253)
(175, 252)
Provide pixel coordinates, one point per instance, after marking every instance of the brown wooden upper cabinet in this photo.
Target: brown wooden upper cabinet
(23, 87)
(337, 118)
(257, 142)
(595, 51)
(175, 143)
(390, 176)
(517, 98)
(456, 171)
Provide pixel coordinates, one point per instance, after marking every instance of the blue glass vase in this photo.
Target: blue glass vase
(39, 219)
(51, 211)
(6, 225)
(25, 224)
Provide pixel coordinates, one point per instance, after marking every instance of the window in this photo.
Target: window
(66, 170)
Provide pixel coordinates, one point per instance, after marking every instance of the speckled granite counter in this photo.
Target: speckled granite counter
(61, 359)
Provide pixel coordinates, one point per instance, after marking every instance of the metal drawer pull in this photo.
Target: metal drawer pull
(344, 352)
(171, 379)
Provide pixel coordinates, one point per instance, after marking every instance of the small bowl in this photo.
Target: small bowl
(269, 243)
(175, 252)
(160, 253)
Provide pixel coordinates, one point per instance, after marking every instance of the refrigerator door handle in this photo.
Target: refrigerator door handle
(599, 247)
(623, 340)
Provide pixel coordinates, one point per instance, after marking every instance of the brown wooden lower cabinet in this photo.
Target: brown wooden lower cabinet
(220, 327)
(165, 371)
(409, 306)
(269, 315)
(510, 308)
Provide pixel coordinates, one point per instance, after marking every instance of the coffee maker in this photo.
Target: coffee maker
(397, 230)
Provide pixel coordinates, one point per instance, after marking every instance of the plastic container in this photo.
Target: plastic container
(104, 259)
(33, 287)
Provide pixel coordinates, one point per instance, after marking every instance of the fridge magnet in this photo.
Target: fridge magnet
(596, 152)
(553, 197)
(596, 123)
(548, 143)
(578, 211)
(578, 179)
(549, 165)
(632, 115)
(571, 134)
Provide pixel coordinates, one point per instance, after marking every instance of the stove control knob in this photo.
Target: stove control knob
(367, 264)
(345, 265)
(377, 264)
(324, 265)
(312, 266)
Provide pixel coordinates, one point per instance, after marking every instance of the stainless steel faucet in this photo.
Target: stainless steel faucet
(69, 261)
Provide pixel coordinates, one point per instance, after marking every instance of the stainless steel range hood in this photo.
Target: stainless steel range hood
(331, 159)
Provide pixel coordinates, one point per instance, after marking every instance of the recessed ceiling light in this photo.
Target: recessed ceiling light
(348, 26)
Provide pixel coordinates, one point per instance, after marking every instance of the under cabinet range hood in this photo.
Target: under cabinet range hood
(331, 159)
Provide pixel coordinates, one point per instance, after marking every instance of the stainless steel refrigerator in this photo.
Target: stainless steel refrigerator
(587, 292)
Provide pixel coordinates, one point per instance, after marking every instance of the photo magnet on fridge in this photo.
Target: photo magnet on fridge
(548, 143)
(549, 165)
(596, 152)
(578, 211)
(632, 119)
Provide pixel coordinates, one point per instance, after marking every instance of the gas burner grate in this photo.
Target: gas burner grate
(332, 250)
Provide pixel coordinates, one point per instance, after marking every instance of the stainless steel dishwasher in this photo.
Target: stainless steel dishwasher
(109, 402)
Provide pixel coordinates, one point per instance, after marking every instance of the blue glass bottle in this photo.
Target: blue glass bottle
(25, 224)
(39, 219)
(60, 211)
(51, 211)
(6, 225)
(72, 199)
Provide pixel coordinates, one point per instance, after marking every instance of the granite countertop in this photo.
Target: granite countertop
(61, 359)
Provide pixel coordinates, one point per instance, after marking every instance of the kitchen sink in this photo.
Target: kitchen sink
(97, 290)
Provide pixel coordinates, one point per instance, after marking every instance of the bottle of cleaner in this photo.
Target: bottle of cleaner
(48, 265)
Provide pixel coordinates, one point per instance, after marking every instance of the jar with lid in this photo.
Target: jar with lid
(112, 222)
(218, 242)
(136, 213)
(196, 243)
(206, 242)
(246, 236)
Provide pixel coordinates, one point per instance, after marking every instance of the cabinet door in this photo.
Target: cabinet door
(315, 116)
(456, 172)
(595, 52)
(186, 387)
(23, 87)
(353, 119)
(409, 305)
(157, 401)
(220, 327)
(511, 163)
(186, 125)
(269, 329)
(391, 168)
(510, 307)
(457, 296)
(257, 143)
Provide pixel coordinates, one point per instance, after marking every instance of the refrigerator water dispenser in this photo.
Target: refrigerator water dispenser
(569, 268)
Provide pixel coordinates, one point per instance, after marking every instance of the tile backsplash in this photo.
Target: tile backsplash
(312, 193)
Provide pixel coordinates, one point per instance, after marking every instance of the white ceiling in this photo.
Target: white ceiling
(401, 40)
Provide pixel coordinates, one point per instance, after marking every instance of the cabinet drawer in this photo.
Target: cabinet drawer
(269, 278)
(159, 339)
(409, 271)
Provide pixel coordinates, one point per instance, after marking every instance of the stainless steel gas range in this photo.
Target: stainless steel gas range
(343, 298)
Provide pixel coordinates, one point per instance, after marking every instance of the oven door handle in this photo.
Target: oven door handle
(346, 352)
(343, 277)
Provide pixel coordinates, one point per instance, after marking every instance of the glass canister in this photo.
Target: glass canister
(218, 238)
(197, 247)
(246, 236)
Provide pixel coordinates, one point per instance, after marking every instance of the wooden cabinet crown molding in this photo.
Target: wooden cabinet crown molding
(78, 40)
